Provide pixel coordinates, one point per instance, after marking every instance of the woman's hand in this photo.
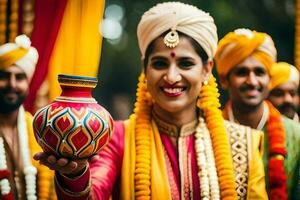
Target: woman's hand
(68, 167)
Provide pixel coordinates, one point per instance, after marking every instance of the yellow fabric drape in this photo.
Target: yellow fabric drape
(45, 183)
(159, 181)
(78, 44)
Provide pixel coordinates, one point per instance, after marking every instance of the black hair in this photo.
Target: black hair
(199, 50)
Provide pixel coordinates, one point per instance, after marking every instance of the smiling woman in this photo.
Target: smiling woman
(176, 145)
(175, 81)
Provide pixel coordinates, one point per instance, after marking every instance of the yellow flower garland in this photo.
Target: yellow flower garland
(209, 103)
(143, 131)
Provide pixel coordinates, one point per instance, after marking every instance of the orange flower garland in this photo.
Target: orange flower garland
(143, 141)
(210, 104)
(277, 153)
(3, 16)
(13, 23)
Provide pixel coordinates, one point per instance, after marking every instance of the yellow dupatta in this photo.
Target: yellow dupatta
(45, 183)
(159, 181)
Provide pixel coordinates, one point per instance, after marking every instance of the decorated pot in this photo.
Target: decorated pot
(74, 125)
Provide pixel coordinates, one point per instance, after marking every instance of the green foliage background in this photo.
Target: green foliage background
(120, 64)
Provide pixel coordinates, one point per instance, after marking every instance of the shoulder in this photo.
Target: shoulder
(288, 123)
(240, 133)
(291, 127)
(119, 128)
(232, 127)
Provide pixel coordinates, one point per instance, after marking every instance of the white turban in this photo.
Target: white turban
(20, 54)
(185, 18)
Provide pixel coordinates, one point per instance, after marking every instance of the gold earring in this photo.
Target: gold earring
(205, 82)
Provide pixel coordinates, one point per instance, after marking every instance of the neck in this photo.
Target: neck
(249, 116)
(9, 120)
(176, 118)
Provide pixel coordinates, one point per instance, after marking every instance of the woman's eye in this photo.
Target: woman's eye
(159, 64)
(185, 64)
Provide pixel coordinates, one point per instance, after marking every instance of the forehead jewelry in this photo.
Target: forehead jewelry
(171, 39)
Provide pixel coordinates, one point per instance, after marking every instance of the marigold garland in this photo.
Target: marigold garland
(143, 141)
(13, 20)
(277, 153)
(210, 104)
(3, 12)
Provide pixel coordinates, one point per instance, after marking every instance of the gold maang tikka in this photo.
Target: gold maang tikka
(171, 39)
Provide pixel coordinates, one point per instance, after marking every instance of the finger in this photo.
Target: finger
(38, 155)
(47, 164)
(72, 165)
(62, 162)
(51, 159)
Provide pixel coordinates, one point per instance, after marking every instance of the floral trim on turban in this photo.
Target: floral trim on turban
(181, 17)
(283, 72)
(238, 45)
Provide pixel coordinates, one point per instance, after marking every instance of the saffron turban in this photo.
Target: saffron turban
(184, 18)
(283, 72)
(237, 46)
(20, 54)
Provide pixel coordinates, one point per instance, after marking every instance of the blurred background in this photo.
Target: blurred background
(98, 38)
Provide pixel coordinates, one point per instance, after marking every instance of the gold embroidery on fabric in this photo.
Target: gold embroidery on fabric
(239, 150)
(182, 150)
(172, 130)
(190, 171)
(174, 189)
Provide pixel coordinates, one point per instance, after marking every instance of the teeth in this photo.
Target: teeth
(173, 90)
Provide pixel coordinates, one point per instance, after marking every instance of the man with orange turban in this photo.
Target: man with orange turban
(244, 61)
(21, 177)
(284, 89)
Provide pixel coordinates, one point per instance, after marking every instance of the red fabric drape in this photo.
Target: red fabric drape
(48, 18)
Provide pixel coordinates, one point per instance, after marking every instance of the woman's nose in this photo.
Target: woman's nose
(172, 75)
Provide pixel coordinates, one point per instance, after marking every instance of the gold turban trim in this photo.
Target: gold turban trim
(20, 54)
(184, 18)
(238, 45)
(283, 72)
